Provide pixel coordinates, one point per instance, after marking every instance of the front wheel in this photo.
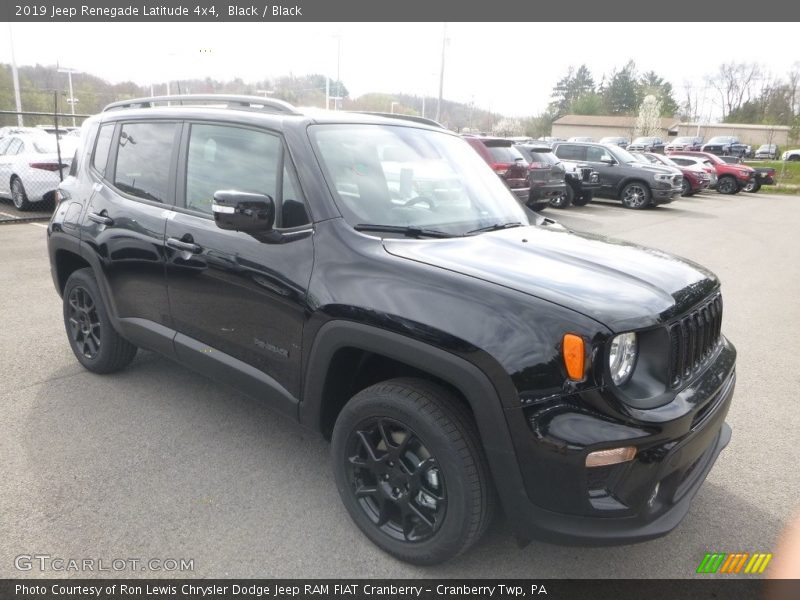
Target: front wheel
(686, 188)
(752, 186)
(583, 199)
(727, 185)
(95, 343)
(635, 195)
(411, 472)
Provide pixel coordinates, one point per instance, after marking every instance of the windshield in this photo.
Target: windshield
(621, 154)
(406, 177)
(644, 140)
(684, 140)
(45, 144)
(721, 140)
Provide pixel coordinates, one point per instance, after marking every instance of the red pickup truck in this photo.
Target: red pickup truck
(730, 178)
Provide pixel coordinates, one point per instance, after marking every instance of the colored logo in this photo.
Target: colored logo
(739, 562)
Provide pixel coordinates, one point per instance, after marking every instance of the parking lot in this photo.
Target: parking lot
(160, 462)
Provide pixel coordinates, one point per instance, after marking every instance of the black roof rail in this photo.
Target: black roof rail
(229, 100)
(413, 118)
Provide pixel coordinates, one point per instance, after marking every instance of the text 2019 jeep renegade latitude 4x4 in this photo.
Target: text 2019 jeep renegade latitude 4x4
(374, 279)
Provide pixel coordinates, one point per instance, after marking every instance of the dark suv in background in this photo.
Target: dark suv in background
(374, 280)
(622, 176)
(724, 145)
(506, 161)
(546, 176)
(647, 144)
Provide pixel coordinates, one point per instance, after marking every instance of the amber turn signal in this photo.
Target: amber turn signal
(574, 356)
(613, 456)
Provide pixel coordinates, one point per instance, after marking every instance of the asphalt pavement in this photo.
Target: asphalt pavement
(159, 462)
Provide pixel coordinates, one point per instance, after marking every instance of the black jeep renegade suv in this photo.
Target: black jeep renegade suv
(373, 278)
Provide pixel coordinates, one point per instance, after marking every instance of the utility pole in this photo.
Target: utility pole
(15, 76)
(441, 74)
(72, 100)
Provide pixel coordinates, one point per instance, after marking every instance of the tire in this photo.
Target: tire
(752, 186)
(583, 199)
(686, 188)
(635, 195)
(565, 199)
(428, 450)
(794, 157)
(95, 343)
(18, 195)
(727, 185)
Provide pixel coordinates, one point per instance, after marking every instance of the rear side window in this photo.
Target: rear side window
(102, 146)
(14, 147)
(504, 154)
(571, 152)
(144, 153)
(4, 143)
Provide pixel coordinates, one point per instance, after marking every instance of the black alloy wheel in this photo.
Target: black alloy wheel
(84, 323)
(396, 480)
(95, 343)
(410, 470)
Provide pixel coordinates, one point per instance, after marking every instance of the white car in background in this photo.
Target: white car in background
(791, 154)
(29, 167)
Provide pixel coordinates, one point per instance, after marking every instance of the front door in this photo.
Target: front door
(239, 302)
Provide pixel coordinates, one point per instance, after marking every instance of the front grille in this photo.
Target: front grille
(693, 339)
(586, 174)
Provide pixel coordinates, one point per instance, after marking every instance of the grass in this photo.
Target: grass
(786, 172)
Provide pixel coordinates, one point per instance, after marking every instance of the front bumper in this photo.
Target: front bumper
(664, 195)
(630, 502)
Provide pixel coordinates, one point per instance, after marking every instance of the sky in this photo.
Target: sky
(508, 68)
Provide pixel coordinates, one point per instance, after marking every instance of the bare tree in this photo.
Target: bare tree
(734, 83)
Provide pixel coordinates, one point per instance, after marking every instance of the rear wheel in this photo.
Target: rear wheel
(95, 343)
(411, 472)
(727, 185)
(18, 195)
(635, 195)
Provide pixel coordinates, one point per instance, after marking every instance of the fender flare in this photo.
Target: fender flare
(468, 379)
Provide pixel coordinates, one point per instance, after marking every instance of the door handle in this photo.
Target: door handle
(185, 246)
(100, 218)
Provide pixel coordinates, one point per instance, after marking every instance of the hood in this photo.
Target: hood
(619, 284)
(653, 168)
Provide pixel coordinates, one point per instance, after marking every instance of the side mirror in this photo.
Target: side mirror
(608, 160)
(243, 211)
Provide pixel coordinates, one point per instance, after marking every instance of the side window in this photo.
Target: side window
(4, 143)
(101, 148)
(596, 154)
(14, 147)
(222, 157)
(571, 152)
(144, 152)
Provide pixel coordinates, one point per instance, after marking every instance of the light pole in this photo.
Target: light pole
(392, 107)
(15, 76)
(441, 74)
(71, 100)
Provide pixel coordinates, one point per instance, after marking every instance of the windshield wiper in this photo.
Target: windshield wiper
(404, 229)
(495, 227)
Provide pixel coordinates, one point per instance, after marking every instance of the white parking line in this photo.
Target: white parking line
(38, 225)
(5, 214)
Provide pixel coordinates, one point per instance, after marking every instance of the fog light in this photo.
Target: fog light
(612, 456)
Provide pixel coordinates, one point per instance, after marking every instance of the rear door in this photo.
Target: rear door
(9, 148)
(133, 166)
(238, 301)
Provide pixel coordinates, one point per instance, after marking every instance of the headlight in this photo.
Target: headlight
(664, 177)
(622, 357)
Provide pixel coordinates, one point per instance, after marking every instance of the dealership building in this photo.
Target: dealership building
(598, 126)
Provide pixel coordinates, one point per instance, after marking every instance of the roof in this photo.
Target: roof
(610, 121)
(739, 126)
